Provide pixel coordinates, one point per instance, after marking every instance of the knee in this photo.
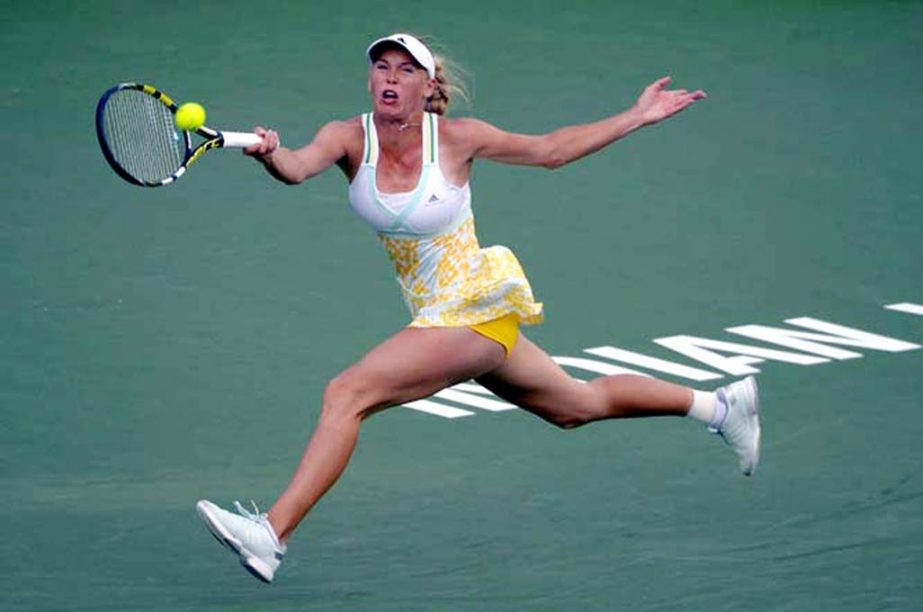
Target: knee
(571, 420)
(565, 411)
(564, 417)
(346, 396)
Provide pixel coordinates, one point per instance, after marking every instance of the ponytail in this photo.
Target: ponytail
(450, 85)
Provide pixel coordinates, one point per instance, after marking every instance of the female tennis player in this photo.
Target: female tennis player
(408, 168)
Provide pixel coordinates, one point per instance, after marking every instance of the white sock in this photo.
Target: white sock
(704, 406)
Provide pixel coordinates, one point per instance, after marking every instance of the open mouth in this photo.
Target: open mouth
(389, 95)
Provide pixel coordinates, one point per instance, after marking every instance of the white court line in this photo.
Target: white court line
(438, 409)
(661, 365)
(916, 309)
(474, 400)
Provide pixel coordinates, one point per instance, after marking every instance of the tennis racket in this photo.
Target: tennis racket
(134, 124)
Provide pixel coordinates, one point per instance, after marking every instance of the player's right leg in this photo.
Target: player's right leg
(412, 364)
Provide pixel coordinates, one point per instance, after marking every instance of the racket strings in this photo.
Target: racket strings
(141, 136)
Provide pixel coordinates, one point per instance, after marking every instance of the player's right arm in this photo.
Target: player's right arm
(293, 166)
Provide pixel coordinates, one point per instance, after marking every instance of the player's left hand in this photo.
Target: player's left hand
(657, 103)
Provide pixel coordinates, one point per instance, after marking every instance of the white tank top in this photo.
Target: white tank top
(433, 207)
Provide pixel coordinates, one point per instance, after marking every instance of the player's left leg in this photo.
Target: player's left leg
(530, 379)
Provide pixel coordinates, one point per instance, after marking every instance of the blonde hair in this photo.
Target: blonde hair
(451, 81)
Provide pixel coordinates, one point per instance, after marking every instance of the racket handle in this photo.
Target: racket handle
(240, 139)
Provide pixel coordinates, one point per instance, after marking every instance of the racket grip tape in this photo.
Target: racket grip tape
(240, 139)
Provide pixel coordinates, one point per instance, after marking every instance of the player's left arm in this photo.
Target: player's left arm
(570, 143)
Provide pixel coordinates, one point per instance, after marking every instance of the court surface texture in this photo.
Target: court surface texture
(165, 345)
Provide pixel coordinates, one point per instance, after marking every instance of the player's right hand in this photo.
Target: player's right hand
(266, 147)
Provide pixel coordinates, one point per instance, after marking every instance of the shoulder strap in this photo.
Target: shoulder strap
(370, 147)
(430, 139)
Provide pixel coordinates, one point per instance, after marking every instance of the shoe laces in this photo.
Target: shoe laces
(260, 518)
(256, 515)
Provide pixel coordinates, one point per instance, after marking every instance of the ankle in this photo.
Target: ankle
(704, 407)
(277, 528)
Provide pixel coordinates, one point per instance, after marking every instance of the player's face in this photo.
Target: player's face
(397, 84)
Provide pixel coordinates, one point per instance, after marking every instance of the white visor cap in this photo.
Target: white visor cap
(411, 45)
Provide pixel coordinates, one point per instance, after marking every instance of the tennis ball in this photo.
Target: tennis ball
(190, 116)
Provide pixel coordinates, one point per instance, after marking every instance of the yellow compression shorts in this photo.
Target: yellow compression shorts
(504, 331)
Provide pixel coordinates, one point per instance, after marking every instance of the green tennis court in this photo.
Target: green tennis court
(164, 345)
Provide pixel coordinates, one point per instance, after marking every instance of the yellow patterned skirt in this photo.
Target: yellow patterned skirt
(448, 280)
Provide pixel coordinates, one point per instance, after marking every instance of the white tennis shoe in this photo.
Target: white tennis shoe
(741, 426)
(248, 534)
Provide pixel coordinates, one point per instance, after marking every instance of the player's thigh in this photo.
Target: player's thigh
(530, 379)
(415, 363)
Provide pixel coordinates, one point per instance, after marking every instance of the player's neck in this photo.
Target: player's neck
(400, 127)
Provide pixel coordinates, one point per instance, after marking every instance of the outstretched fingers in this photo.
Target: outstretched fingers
(661, 82)
(682, 99)
(657, 102)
